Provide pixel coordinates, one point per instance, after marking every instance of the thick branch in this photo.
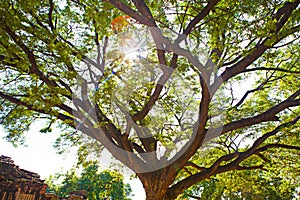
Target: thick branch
(132, 13)
(269, 115)
(143, 8)
(50, 14)
(191, 164)
(211, 4)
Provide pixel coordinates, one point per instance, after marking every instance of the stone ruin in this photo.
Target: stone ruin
(20, 184)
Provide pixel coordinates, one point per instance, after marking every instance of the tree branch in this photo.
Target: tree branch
(260, 140)
(193, 196)
(284, 146)
(132, 13)
(282, 16)
(250, 168)
(271, 69)
(31, 107)
(258, 88)
(191, 164)
(211, 4)
(191, 147)
(50, 14)
(234, 165)
(34, 68)
(269, 115)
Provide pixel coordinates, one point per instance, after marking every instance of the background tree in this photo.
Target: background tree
(165, 111)
(250, 184)
(98, 184)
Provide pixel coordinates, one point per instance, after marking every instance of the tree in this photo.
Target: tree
(165, 84)
(99, 185)
(250, 184)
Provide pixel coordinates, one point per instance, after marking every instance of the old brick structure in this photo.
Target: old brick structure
(19, 184)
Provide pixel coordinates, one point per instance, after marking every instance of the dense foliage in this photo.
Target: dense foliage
(98, 184)
(178, 91)
(250, 185)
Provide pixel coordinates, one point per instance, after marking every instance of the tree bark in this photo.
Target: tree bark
(154, 191)
(156, 184)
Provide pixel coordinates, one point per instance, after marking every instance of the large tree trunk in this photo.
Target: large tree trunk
(153, 193)
(159, 194)
(155, 185)
(155, 190)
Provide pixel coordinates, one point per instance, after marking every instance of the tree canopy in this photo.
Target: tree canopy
(250, 184)
(99, 185)
(178, 91)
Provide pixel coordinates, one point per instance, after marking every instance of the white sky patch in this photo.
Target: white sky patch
(38, 155)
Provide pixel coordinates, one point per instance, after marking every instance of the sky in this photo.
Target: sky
(40, 157)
